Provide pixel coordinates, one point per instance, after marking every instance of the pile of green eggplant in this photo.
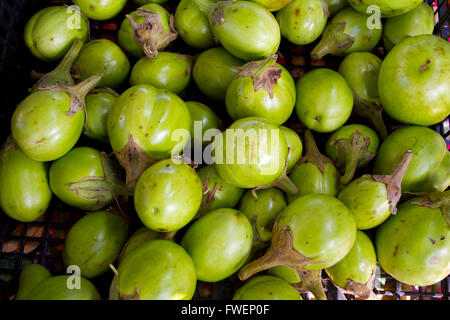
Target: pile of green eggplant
(318, 182)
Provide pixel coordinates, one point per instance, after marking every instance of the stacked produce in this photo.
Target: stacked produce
(224, 187)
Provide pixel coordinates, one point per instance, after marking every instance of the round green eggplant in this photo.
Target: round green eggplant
(416, 22)
(315, 231)
(203, 115)
(214, 70)
(272, 5)
(98, 107)
(388, 8)
(324, 100)
(361, 71)
(169, 71)
(150, 116)
(219, 244)
(267, 288)
(100, 9)
(315, 173)
(51, 31)
(30, 277)
(141, 236)
(192, 23)
(56, 288)
(429, 150)
(295, 146)
(146, 31)
(24, 190)
(105, 57)
(322, 227)
(85, 179)
(412, 246)
(48, 124)
(417, 90)
(262, 89)
(94, 242)
(310, 179)
(358, 267)
(347, 32)
(368, 201)
(334, 6)
(262, 211)
(302, 21)
(157, 270)
(246, 29)
(167, 196)
(238, 166)
(224, 195)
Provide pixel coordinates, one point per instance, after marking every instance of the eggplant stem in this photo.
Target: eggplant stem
(355, 151)
(283, 253)
(393, 182)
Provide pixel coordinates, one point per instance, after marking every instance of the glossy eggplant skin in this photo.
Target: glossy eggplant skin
(303, 21)
(324, 100)
(246, 29)
(94, 242)
(24, 188)
(358, 265)
(412, 246)
(416, 22)
(50, 32)
(429, 150)
(168, 196)
(214, 70)
(219, 244)
(192, 24)
(157, 270)
(416, 90)
(169, 71)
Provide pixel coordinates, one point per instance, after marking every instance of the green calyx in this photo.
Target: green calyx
(362, 290)
(313, 155)
(393, 182)
(371, 110)
(436, 200)
(264, 73)
(108, 186)
(207, 199)
(217, 13)
(151, 35)
(282, 253)
(77, 93)
(135, 161)
(353, 151)
(334, 41)
(61, 74)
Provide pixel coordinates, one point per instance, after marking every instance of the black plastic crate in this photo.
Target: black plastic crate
(42, 241)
